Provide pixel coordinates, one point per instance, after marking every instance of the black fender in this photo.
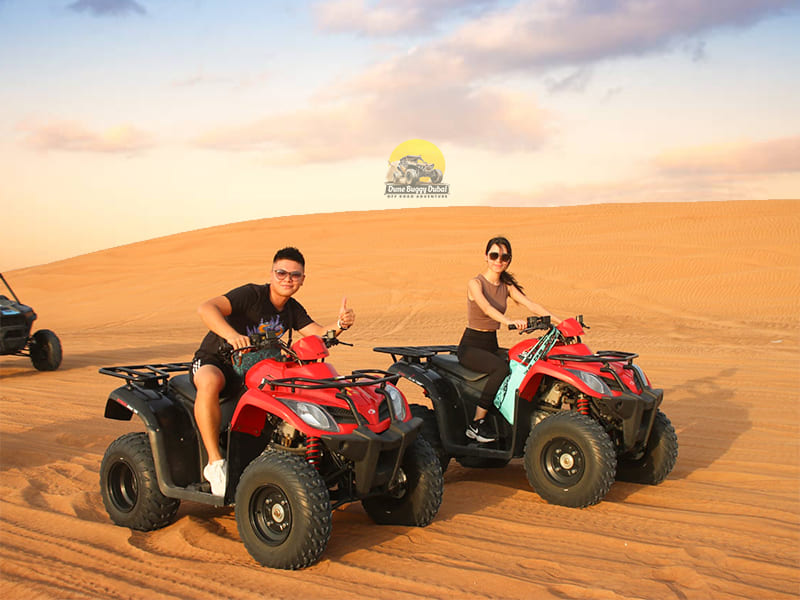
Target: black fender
(442, 394)
(444, 398)
(637, 413)
(177, 454)
(126, 401)
(437, 388)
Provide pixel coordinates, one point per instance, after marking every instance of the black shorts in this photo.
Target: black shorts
(233, 382)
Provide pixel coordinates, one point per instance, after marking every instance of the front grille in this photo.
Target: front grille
(14, 330)
(12, 320)
(613, 384)
(383, 411)
(342, 415)
(345, 415)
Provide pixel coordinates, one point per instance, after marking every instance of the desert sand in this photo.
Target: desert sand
(707, 293)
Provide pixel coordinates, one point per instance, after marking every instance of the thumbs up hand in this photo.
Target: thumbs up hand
(346, 316)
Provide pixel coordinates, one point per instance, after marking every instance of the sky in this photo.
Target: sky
(125, 120)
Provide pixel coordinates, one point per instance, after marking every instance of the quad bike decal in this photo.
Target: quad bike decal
(507, 393)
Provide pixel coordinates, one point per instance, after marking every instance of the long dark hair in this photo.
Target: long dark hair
(505, 276)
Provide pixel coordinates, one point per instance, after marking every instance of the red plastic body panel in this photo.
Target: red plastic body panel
(558, 370)
(260, 399)
(310, 347)
(570, 327)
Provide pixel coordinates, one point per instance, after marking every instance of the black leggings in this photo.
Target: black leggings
(478, 351)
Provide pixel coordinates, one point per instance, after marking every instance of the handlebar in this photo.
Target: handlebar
(261, 341)
(257, 342)
(534, 323)
(331, 339)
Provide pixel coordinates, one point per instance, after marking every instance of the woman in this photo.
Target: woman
(487, 296)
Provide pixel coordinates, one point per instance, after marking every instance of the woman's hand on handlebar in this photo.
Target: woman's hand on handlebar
(531, 324)
(520, 324)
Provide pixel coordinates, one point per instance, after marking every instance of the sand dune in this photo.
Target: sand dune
(708, 294)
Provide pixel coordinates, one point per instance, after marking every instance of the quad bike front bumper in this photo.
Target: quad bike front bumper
(376, 457)
(636, 412)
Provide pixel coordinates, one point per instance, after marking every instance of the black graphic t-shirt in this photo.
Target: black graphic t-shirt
(254, 313)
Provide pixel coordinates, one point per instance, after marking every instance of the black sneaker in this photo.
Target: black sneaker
(481, 431)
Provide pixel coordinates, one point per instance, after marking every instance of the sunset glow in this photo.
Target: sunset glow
(125, 120)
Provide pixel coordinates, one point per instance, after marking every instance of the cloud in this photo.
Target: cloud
(105, 8)
(450, 89)
(752, 170)
(771, 156)
(70, 136)
(371, 125)
(392, 17)
(398, 99)
(531, 34)
(202, 79)
(538, 35)
(574, 82)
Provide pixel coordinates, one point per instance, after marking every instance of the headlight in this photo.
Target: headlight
(397, 401)
(593, 381)
(312, 414)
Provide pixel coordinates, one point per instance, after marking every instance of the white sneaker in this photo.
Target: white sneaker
(217, 474)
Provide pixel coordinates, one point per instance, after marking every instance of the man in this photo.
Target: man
(231, 318)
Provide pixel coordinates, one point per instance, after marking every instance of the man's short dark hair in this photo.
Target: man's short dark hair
(289, 253)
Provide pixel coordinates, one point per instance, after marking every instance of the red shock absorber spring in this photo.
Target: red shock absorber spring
(314, 451)
(583, 405)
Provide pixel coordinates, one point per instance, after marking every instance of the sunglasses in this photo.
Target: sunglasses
(503, 257)
(281, 274)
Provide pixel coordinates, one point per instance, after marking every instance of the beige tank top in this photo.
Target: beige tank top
(497, 295)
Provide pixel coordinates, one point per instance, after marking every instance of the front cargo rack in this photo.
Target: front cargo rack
(604, 356)
(358, 378)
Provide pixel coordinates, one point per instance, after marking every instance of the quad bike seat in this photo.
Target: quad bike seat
(449, 362)
(183, 385)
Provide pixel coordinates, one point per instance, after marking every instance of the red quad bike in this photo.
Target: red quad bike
(300, 440)
(578, 419)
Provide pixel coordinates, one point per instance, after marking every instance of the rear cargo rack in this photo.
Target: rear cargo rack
(146, 376)
(415, 353)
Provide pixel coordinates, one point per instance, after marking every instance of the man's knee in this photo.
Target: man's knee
(209, 380)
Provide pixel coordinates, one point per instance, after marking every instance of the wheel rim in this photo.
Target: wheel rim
(122, 486)
(399, 486)
(563, 461)
(270, 514)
